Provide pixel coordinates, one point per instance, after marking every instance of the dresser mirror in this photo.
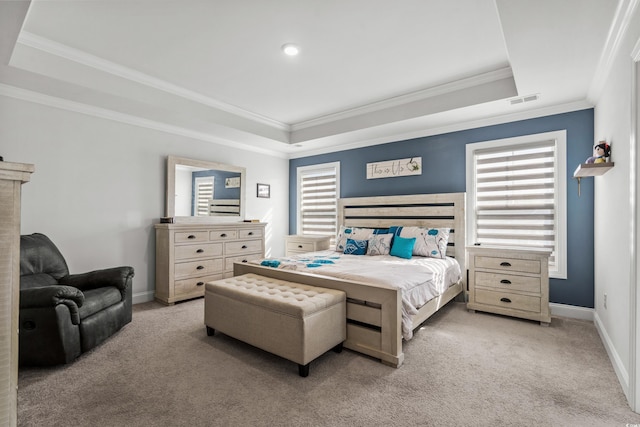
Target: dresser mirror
(201, 191)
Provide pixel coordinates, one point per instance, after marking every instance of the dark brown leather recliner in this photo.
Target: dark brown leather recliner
(63, 315)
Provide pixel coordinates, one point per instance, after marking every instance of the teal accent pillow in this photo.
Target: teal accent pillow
(402, 247)
(356, 247)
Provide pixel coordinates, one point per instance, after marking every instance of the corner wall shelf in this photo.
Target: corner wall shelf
(591, 169)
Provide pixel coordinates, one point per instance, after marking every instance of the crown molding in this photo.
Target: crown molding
(619, 26)
(103, 113)
(63, 51)
(454, 127)
(395, 101)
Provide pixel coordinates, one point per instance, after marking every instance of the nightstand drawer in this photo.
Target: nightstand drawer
(508, 300)
(507, 282)
(205, 250)
(300, 246)
(301, 243)
(508, 264)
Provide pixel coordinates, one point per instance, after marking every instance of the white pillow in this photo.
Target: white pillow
(379, 244)
(354, 233)
(430, 242)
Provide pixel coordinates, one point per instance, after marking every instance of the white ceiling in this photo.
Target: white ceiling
(369, 71)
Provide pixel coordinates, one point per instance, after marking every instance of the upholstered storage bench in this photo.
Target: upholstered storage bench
(294, 321)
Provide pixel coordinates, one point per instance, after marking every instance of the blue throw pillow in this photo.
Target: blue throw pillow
(402, 247)
(356, 247)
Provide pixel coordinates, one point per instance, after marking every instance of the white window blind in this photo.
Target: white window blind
(203, 194)
(517, 199)
(318, 193)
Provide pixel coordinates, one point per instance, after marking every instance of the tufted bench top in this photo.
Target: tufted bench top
(294, 299)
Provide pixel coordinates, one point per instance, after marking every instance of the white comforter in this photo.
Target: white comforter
(420, 278)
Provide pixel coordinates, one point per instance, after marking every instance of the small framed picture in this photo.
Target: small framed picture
(264, 190)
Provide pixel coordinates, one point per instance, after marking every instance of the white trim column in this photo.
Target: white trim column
(634, 297)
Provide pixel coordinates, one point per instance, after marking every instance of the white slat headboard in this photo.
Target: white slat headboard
(424, 210)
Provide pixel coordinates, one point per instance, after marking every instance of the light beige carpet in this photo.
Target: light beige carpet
(461, 369)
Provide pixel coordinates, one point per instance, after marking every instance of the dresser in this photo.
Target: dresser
(189, 255)
(12, 176)
(297, 244)
(509, 281)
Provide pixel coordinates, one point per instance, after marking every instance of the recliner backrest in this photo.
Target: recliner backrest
(41, 263)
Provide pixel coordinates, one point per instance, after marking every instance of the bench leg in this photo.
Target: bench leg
(303, 370)
(210, 331)
(338, 348)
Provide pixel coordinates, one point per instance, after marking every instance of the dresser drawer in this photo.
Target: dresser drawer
(194, 285)
(508, 300)
(233, 248)
(294, 246)
(197, 268)
(223, 235)
(507, 282)
(191, 236)
(250, 234)
(205, 250)
(228, 261)
(508, 264)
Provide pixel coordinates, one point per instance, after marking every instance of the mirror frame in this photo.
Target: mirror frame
(170, 199)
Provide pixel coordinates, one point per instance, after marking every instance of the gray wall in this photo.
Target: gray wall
(99, 185)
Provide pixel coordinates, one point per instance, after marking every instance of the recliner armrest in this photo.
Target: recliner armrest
(50, 296)
(120, 277)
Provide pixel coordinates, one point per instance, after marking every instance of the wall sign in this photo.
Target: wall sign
(232, 182)
(393, 168)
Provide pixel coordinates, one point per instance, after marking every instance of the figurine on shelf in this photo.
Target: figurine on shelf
(601, 152)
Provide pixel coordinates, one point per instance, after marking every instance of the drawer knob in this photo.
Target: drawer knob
(191, 236)
(244, 246)
(505, 299)
(505, 281)
(251, 233)
(199, 283)
(200, 267)
(245, 260)
(505, 264)
(300, 246)
(223, 235)
(199, 251)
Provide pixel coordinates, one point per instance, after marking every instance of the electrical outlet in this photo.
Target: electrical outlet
(605, 300)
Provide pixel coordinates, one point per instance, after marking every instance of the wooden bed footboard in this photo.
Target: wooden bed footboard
(374, 312)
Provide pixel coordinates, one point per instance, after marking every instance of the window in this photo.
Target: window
(203, 193)
(318, 193)
(516, 194)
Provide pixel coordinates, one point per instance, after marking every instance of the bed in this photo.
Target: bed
(376, 314)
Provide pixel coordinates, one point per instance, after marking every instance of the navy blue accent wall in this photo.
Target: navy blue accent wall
(443, 171)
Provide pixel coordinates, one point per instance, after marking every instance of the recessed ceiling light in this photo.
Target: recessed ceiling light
(290, 49)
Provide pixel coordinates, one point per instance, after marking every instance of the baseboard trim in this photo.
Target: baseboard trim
(572, 311)
(616, 362)
(140, 297)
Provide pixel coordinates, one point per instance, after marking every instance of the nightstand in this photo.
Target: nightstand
(510, 281)
(298, 244)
